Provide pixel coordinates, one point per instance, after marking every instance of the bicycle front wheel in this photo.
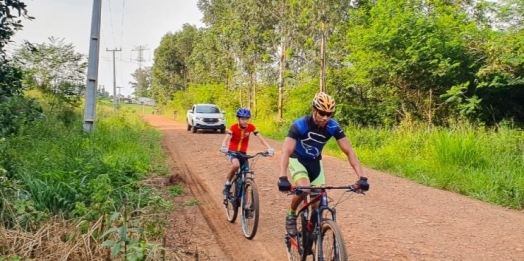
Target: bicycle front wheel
(333, 245)
(250, 209)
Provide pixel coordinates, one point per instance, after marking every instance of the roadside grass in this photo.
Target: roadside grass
(61, 185)
(483, 164)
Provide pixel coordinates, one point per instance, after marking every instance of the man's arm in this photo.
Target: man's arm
(287, 149)
(346, 147)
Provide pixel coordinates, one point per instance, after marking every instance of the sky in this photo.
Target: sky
(125, 25)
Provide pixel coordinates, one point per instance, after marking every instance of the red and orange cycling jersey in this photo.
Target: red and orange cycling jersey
(240, 137)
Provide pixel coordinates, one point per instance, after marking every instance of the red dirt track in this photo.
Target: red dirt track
(396, 220)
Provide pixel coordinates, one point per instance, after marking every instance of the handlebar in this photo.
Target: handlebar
(353, 188)
(236, 153)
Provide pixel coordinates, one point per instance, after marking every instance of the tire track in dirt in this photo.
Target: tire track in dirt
(397, 219)
(234, 247)
(206, 204)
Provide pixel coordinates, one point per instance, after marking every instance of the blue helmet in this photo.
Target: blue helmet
(243, 113)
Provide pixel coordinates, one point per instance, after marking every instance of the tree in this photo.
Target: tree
(55, 69)
(170, 72)
(142, 83)
(15, 109)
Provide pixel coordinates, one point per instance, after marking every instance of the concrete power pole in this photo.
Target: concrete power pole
(119, 87)
(115, 104)
(92, 70)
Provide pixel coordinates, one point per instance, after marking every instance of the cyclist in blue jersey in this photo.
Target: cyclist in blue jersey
(302, 153)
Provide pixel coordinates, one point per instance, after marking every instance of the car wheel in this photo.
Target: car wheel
(194, 129)
(188, 127)
(223, 130)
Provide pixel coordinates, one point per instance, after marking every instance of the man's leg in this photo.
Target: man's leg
(320, 180)
(300, 178)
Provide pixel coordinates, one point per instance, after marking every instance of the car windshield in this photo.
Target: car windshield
(207, 109)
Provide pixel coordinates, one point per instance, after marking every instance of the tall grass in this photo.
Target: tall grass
(52, 169)
(480, 163)
(484, 164)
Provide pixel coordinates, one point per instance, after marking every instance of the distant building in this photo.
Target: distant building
(145, 101)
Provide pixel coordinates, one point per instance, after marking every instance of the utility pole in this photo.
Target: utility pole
(115, 105)
(140, 59)
(92, 70)
(119, 87)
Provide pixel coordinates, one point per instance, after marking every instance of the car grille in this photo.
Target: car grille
(210, 120)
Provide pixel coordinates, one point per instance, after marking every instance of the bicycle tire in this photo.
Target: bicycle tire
(339, 246)
(250, 209)
(232, 204)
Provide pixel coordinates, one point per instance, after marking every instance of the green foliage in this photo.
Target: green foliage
(170, 72)
(55, 69)
(460, 159)
(62, 171)
(142, 83)
(192, 203)
(15, 110)
(501, 84)
(176, 190)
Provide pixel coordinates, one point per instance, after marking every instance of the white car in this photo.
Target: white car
(206, 116)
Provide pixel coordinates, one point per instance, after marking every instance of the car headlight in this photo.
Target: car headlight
(199, 118)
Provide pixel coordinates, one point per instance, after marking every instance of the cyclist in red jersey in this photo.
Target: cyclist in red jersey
(238, 138)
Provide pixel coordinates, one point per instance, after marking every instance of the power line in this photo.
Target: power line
(111, 18)
(122, 24)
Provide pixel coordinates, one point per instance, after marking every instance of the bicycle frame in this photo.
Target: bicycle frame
(311, 228)
(240, 178)
(245, 197)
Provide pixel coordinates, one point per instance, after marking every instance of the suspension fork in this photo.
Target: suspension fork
(317, 216)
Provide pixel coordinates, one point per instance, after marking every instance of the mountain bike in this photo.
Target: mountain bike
(244, 196)
(321, 241)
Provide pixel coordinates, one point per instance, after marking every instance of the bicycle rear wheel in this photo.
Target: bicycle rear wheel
(250, 209)
(295, 245)
(232, 204)
(333, 245)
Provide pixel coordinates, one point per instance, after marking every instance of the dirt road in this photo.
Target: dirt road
(396, 220)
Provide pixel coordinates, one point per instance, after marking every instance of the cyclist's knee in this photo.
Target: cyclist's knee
(235, 167)
(235, 163)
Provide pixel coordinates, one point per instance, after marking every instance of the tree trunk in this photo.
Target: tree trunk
(281, 71)
(282, 60)
(430, 109)
(254, 87)
(248, 92)
(323, 49)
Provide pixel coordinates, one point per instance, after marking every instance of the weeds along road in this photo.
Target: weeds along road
(396, 220)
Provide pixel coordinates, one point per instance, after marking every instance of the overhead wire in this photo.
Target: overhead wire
(111, 19)
(122, 41)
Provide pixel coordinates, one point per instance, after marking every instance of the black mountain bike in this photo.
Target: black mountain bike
(320, 241)
(244, 196)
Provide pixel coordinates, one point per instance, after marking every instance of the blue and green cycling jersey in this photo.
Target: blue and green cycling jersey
(311, 139)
